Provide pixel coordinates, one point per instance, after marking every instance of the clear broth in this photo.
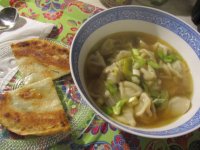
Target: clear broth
(174, 87)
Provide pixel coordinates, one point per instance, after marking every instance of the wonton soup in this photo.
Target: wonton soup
(138, 79)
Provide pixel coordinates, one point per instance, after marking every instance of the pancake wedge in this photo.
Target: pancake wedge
(38, 59)
(34, 109)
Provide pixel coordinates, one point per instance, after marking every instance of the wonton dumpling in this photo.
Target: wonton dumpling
(177, 68)
(145, 110)
(143, 106)
(142, 44)
(147, 54)
(127, 116)
(108, 47)
(165, 68)
(111, 101)
(96, 88)
(178, 106)
(173, 69)
(113, 73)
(123, 54)
(129, 89)
(146, 119)
(95, 63)
(148, 74)
(161, 47)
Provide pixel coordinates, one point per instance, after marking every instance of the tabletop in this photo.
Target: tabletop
(68, 15)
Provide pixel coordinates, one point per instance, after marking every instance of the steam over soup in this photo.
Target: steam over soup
(138, 79)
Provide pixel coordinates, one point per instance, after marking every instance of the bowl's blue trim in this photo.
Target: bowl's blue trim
(160, 18)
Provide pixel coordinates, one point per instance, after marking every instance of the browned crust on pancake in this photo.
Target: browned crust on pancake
(29, 93)
(31, 122)
(47, 53)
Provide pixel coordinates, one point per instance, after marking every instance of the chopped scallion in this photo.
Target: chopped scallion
(118, 107)
(108, 110)
(111, 87)
(153, 64)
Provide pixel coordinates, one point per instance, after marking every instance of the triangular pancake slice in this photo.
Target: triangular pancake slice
(38, 59)
(34, 109)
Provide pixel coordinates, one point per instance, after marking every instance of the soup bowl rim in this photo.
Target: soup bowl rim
(178, 131)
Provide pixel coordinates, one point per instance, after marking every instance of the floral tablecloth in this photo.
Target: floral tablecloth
(68, 15)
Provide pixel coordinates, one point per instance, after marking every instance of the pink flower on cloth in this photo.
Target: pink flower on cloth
(19, 4)
(30, 14)
(86, 8)
(132, 140)
(119, 143)
(53, 15)
(74, 25)
(52, 10)
(99, 126)
(68, 38)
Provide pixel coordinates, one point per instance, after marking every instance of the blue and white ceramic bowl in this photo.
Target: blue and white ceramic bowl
(143, 19)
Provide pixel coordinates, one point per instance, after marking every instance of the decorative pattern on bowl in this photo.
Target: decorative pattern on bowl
(163, 19)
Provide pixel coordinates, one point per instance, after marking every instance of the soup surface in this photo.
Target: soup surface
(138, 79)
